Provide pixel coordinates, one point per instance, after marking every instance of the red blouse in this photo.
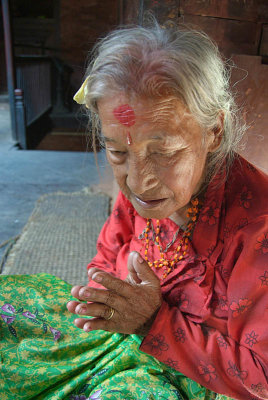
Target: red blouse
(212, 325)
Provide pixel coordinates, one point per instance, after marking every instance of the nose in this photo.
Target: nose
(140, 177)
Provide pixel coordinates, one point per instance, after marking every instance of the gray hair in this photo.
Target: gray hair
(156, 61)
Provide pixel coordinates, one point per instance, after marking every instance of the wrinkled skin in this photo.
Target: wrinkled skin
(135, 300)
(159, 172)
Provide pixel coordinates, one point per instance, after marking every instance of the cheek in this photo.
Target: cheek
(182, 170)
(119, 174)
(185, 175)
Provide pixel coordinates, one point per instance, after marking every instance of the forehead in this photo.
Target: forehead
(146, 117)
(144, 109)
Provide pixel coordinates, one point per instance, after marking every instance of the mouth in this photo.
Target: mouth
(149, 203)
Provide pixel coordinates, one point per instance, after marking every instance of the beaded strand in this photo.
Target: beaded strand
(181, 249)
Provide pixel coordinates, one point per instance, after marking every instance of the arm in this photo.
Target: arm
(234, 364)
(114, 237)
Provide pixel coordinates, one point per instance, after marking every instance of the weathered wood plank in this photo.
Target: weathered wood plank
(130, 11)
(264, 41)
(240, 37)
(163, 10)
(243, 10)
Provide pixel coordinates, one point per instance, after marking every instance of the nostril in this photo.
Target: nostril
(140, 181)
(142, 191)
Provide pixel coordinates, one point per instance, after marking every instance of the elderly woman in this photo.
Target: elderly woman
(177, 292)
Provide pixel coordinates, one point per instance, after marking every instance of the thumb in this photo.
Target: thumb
(139, 268)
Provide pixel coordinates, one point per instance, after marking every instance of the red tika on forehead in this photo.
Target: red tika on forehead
(125, 115)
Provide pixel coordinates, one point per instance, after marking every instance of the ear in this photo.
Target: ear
(215, 134)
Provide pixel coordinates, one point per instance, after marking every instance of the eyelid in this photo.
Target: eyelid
(113, 151)
(170, 153)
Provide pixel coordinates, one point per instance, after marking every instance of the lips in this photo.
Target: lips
(149, 203)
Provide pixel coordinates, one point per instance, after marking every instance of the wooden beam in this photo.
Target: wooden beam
(11, 80)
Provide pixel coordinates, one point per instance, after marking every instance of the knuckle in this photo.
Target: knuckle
(119, 285)
(110, 299)
(124, 316)
(91, 295)
(106, 312)
(132, 302)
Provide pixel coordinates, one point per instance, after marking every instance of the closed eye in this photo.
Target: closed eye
(117, 152)
(164, 154)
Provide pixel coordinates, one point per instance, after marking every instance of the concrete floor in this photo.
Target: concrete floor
(26, 175)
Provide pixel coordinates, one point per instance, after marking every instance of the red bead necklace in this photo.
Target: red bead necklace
(182, 248)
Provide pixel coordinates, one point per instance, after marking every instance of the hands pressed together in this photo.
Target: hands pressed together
(128, 306)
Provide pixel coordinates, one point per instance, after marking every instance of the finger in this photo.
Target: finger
(93, 324)
(92, 271)
(71, 306)
(105, 296)
(80, 322)
(76, 290)
(132, 277)
(136, 265)
(120, 287)
(94, 310)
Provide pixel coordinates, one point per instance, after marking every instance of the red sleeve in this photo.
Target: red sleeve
(234, 364)
(115, 234)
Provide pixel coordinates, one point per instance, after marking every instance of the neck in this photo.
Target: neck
(180, 217)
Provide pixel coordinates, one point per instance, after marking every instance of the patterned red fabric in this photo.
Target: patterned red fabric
(212, 325)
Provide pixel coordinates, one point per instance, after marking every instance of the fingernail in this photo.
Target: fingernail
(80, 310)
(140, 259)
(97, 278)
(87, 294)
(87, 328)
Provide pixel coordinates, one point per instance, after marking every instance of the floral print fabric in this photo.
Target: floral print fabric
(45, 357)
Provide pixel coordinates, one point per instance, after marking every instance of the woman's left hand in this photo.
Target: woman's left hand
(128, 306)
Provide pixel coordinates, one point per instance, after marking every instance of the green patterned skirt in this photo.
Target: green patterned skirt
(45, 356)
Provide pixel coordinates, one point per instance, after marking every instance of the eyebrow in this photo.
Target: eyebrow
(106, 139)
(110, 140)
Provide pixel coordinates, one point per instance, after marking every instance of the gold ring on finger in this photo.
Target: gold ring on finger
(111, 314)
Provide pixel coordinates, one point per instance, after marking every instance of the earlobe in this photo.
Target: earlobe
(216, 134)
(216, 140)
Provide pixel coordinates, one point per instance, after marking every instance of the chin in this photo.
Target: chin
(151, 214)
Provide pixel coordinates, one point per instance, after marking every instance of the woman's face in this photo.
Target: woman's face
(157, 152)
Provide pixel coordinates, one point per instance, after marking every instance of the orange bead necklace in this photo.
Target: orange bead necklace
(182, 248)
